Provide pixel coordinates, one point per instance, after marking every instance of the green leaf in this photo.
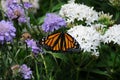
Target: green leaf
(57, 7)
(41, 20)
(59, 55)
(100, 72)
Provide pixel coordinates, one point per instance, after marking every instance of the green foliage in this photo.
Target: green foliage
(60, 66)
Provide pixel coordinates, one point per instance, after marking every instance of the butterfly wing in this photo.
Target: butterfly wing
(51, 40)
(60, 42)
(69, 43)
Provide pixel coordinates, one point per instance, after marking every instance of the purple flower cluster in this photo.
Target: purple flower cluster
(53, 22)
(32, 44)
(7, 31)
(16, 11)
(25, 71)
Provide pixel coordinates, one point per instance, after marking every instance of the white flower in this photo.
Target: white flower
(95, 53)
(112, 35)
(80, 12)
(99, 27)
(87, 37)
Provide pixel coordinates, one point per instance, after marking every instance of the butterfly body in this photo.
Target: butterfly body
(60, 41)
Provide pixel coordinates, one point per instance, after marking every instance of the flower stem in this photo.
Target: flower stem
(77, 75)
(89, 63)
(37, 72)
(51, 4)
(44, 63)
(2, 11)
(0, 64)
(115, 60)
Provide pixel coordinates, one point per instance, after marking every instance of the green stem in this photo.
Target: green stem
(89, 63)
(44, 63)
(77, 76)
(117, 16)
(37, 71)
(51, 4)
(26, 15)
(10, 54)
(71, 60)
(59, 1)
(87, 76)
(115, 61)
(0, 64)
(3, 17)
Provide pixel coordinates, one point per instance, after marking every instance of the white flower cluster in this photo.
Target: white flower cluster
(80, 12)
(88, 38)
(112, 35)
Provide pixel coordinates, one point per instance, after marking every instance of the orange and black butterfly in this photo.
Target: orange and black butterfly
(60, 41)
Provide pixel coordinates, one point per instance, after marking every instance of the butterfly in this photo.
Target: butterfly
(60, 41)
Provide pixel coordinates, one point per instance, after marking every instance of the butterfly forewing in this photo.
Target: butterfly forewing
(49, 41)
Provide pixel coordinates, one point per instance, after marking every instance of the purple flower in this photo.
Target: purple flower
(28, 5)
(53, 22)
(16, 11)
(7, 31)
(32, 44)
(25, 71)
(8, 2)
